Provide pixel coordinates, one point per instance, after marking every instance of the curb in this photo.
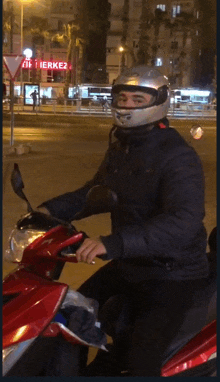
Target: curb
(18, 150)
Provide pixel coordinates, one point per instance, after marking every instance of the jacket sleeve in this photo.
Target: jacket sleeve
(65, 206)
(181, 213)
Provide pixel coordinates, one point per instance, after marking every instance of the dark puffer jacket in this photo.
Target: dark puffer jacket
(157, 228)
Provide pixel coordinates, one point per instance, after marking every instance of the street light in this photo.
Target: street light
(121, 49)
(28, 54)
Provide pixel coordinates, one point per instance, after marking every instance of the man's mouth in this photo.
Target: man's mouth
(123, 118)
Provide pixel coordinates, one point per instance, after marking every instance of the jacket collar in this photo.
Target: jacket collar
(136, 135)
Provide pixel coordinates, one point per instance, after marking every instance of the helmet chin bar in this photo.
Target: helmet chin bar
(127, 118)
(123, 117)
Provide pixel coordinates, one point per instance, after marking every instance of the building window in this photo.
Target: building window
(174, 62)
(49, 76)
(162, 7)
(176, 9)
(174, 45)
(197, 33)
(158, 62)
(197, 14)
(60, 25)
(57, 76)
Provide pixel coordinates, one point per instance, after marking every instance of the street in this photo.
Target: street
(64, 158)
(62, 62)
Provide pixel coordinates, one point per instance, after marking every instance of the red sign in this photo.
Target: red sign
(46, 65)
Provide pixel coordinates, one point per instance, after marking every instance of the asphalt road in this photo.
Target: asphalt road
(63, 158)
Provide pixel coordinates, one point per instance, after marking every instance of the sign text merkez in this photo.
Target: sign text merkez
(46, 65)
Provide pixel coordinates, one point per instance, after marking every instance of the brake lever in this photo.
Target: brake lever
(71, 255)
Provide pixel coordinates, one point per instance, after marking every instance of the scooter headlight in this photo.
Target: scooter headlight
(18, 241)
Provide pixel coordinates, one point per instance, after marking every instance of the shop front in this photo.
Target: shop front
(46, 76)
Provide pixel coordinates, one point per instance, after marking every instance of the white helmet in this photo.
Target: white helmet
(145, 79)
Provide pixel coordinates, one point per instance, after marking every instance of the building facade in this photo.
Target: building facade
(103, 38)
(163, 33)
(67, 40)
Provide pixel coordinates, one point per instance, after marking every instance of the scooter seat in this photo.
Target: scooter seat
(115, 316)
(201, 313)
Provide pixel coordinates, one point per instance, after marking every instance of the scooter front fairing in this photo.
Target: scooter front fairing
(29, 304)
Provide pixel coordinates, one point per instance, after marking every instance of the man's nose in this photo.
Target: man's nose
(129, 102)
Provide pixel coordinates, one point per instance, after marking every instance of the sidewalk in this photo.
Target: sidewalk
(54, 109)
(58, 109)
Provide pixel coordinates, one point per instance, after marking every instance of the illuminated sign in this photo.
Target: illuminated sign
(46, 65)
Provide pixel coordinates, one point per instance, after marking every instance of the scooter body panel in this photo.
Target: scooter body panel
(50, 244)
(32, 299)
(196, 352)
(32, 303)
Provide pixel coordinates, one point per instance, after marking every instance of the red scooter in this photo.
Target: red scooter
(44, 321)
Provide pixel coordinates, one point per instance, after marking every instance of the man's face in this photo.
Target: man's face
(132, 100)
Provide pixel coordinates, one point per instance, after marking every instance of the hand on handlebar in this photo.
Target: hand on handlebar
(89, 249)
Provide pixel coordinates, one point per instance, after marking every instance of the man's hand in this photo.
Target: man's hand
(89, 249)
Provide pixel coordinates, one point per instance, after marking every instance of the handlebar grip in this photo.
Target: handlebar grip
(73, 248)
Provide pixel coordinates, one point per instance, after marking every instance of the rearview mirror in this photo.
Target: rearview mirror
(196, 131)
(100, 199)
(18, 185)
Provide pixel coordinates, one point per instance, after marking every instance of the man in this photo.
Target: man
(34, 96)
(158, 241)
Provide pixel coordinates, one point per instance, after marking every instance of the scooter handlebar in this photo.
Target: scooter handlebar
(69, 252)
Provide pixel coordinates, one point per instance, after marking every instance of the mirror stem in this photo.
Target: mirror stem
(30, 209)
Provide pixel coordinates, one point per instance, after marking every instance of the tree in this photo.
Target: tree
(214, 80)
(184, 24)
(127, 50)
(6, 27)
(205, 75)
(150, 24)
(159, 18)
(75, 46)
(177, 30)
(98, 12)
(125, 25)
(37, 27)
(143, 54)
(9, 26)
